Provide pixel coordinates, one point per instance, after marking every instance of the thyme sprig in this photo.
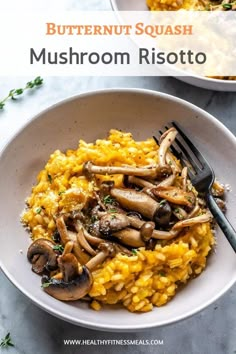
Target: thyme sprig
(38, 81)
(6, 341)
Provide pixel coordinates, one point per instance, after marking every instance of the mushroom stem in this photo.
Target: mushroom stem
(98, 259)
(184, 176)
(140, 182)
(180, 213)
(166, 140)
(193, 221)
(68, 247)
(167, 182)
(95, 241)
(62, 229)
(172, 163)
(81, 255)
(194, 211)
(165, 235)
(106, 249)
(90, 169)
(84, 243)
(130, 237)
(135, 201)
(157, 234)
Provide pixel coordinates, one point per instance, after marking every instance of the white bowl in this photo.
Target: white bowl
(91, 116)
(203, 82)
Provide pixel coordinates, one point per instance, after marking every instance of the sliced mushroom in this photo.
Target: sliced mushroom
(106, 250)
(89, 169)
(42, 256)
(175, 195)
(130, 237)
(112, 222)
(68, 265)
(193, 221)
(75, 283)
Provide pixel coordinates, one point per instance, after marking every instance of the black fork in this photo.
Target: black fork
(202, 177)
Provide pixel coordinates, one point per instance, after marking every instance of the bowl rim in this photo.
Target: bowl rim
(104, 326)
(231, 83)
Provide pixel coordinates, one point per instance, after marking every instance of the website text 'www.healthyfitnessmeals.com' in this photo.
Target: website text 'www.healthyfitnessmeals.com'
(107, 342)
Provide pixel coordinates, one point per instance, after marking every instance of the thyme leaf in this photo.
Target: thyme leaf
(59, 248)
(6, 341)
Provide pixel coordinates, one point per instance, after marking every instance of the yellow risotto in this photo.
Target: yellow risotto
(172, 5)
(151, 278)
(145, 276)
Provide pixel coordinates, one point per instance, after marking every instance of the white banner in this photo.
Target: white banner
(117, 44)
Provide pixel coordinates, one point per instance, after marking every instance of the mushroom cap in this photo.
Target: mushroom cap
(87, 170)
(147, 230)
(111, 222)
(108, 248)
(72, 290)
(163, 214)
(42, 255)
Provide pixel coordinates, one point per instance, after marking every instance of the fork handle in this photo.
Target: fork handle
(222, 221)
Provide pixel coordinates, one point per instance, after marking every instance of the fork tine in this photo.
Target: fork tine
(179, 155)
(188, 156)
(156, 140)
(194, 150)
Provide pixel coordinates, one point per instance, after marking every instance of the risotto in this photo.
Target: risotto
(117, 222)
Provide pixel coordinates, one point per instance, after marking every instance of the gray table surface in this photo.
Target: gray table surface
(34, 331)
